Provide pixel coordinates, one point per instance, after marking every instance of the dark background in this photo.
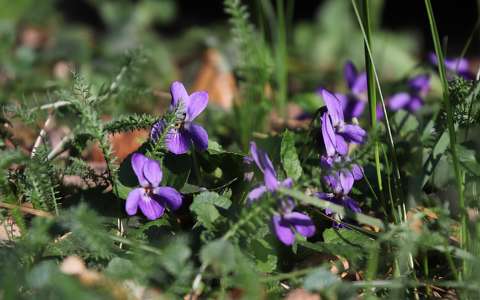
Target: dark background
(455, 19)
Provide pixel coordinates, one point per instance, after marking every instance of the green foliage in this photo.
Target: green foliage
(205, 206)
(217, 245)
(288, 153)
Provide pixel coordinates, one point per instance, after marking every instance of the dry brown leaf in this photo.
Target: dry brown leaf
(122, 144)
(216, 78)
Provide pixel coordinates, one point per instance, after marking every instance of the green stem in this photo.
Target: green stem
(450, 126)
(281, 59)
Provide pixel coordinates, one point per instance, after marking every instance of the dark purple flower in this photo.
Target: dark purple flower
(459, 66)
(179, 138)
(354, 102)
(150, 197)
(335, 132)
(286, 224)
(287, 221)
(413, 99)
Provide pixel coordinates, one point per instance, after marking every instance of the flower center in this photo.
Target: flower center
(148, 191)
(180, 121)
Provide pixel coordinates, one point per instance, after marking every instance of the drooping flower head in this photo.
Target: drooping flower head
(336, 133)
(459, 66)
(354, 102)
(271, 183)
(150, 196)
(413, 99)
(180, 137)
(340, 177)
(286, 222)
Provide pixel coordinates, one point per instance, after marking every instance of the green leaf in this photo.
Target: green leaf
(346, 236)
(468, 160)
(176, 170)
(214, 199)
(220, 255)
(122, 190)
(205, 205)
(206, 213)
(289, 156)
(320, 279)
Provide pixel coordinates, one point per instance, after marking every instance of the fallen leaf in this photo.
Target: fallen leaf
(216, 78)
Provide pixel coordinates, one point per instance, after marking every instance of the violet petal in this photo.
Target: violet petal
(179, 93)
(152, 172)
(138, 162)
(350, 73)
(303, 223)
(133, 198)
(282, 230)
(354, 134)
(199, 136)
(178, 141)
(198, 102)
(170, 196)
(328, 134)
(398, 101)
(151, 208)
(256, 193)
(334, 106)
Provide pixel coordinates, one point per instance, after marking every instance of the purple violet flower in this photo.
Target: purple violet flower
(459, 66)
(354, 102)
(283, 224)
(179, 138)
(265, 165)
(335, 132)
(413, 99)
(150, 197)
(287, 221)
(341, 175)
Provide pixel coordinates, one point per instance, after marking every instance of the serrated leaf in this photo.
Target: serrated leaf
(288, 153)
(206, 213)
(204, 206)
(213, 198)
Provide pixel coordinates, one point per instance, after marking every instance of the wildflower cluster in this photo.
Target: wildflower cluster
(286, 221)
(340, 173)
(150, 197)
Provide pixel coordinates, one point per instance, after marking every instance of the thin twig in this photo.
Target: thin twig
(60, 147)
(27, 210)
(42, 134)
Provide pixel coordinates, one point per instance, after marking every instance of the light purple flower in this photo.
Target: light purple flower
(354, 102)
(340, 173)
(340, 176)
(179, 138)
(150, 196)
(459, 66)
(335, 132)
(287, 221)
(265, 165)
(413, 99)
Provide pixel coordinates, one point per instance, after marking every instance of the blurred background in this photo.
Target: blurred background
(42, 42)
